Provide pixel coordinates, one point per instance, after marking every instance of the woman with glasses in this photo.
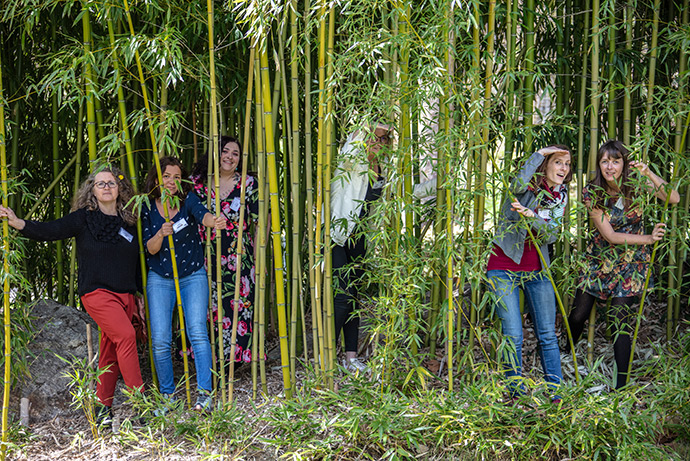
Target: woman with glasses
(186, 213)
(357, 182)
(109, 272)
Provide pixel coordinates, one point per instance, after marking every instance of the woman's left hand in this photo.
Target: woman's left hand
(523, 210)
(220, 223)
(641, 167)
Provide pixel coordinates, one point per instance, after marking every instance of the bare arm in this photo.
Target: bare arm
(657, 183)
(603, 225)
(155, 243)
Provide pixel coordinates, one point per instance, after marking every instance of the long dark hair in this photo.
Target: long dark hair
(200, 169)
(85, 197)
(153, 189)
(540, 173)
(599, 187)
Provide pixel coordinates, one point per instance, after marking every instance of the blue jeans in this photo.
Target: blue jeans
(162, 301)
(541, 302)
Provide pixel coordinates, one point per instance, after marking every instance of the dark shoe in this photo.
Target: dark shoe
(204, 402)
(104, 416)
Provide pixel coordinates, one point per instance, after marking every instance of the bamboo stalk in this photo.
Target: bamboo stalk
(240, 229)
(627, 99)
(5, 276)
(57, 199)
(126, 137)
(275, 223)
(528, 107)
(653, 53)
(166, 214)
(213, 146)
(73, 253)
(611, 128)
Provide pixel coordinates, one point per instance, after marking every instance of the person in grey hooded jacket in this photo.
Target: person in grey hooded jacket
(537, 200)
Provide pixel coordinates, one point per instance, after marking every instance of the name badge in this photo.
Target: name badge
(126, 235)
(619, 204)
(235, 205)
(544, 213)
(179, 225)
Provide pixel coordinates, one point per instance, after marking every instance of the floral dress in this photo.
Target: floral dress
(230, 208)
(615, 271)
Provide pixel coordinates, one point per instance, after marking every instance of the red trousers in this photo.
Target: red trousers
(118, 347)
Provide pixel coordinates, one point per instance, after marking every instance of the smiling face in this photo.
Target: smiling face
(171, 176)
(557, 168)
(109, 192)
(611, 168)
(230, 157)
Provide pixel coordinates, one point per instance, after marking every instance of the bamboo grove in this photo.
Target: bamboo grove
(471, 87)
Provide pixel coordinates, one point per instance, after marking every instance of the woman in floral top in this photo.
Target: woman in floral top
(619, 251)
(230, 203)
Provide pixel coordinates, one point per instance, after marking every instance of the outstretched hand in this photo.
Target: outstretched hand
(12, 220)
(641, 167)
(220, 223)
(523, 210)
(658, 232)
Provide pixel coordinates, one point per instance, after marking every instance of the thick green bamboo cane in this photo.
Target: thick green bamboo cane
(90, 91)
(240, 228)
(73, 253)
(627, 99)
(275, 223)
(653, 53)
(213, 146)
(406, 151)
(449, 119)
(648, 275)
(166, 214)
(6, 276)
(581, 171)
(611, 128)
(594, 89)
(478, 166)
(326, 316)
(127, 139)
(511, 26)
(676, 254)
(327, 175)
(57, 199)
(260, 270)
(295, 161)
(528, 107)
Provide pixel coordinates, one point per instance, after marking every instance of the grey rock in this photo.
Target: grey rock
(59, 330)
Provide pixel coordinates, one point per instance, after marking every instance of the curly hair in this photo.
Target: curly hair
(599, 187)
(151, 183)
(200, 169)
(85, 198)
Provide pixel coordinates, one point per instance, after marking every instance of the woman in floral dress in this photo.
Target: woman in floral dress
(618, 253)
(230, 202)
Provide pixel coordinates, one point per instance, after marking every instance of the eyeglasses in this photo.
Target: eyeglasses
(104, 184)
(382, 139)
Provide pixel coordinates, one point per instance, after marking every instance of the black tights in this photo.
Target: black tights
(622, 313)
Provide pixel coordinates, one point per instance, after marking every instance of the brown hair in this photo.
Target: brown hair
(613, 149)
(541, 170)
(153, 189)
(85, 197)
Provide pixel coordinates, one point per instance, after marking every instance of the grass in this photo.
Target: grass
(364, 420)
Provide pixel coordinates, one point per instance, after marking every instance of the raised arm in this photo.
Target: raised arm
(657, 183)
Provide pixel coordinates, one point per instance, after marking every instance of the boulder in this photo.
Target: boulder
(59, 331)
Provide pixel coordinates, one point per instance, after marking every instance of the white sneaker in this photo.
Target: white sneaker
(355, 365)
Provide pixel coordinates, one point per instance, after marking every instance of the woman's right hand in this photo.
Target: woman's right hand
(12, 220)
(523, 210)
(166, 229)
(546, 151)
(658, 232)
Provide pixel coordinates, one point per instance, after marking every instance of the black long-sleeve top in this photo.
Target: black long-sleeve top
(107, 249)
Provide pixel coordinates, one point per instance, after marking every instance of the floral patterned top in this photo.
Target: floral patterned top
(615, 271)
(230, 208)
